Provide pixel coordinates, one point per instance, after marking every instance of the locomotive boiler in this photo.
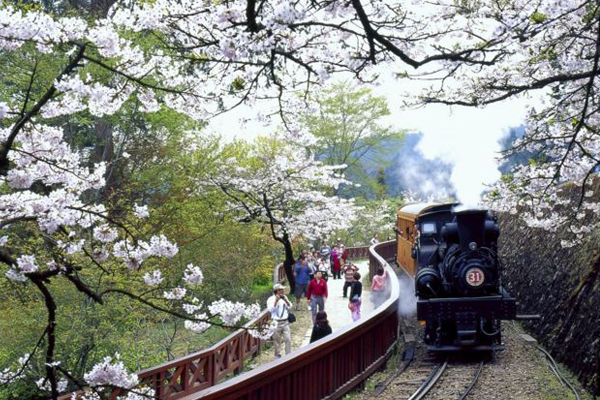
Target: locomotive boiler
(452, 256)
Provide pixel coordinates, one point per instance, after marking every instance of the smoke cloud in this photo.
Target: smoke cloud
(412, 171)
(464, 138)
(407, 306)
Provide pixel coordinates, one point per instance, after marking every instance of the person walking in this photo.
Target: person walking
(349, 270)
(321, 327)
(335, 267)
(279, 305)
(302, 275)
(379, 287)
(317, 294)
(355, 297)
(374, 240)
(344, 252)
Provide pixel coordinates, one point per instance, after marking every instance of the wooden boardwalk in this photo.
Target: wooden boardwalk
(336, 306)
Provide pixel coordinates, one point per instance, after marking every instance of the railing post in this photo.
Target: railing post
(241, 348)
(160, 389)
(184, 377)
(212, 368)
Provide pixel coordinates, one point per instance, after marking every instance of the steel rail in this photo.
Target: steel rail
(473, 381)
(407, 358)
(429, 382)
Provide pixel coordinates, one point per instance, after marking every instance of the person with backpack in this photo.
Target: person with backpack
(355, 297)
(279, 305)
(349, 270)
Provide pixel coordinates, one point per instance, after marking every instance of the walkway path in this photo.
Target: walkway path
(337, 310)
(336, 306)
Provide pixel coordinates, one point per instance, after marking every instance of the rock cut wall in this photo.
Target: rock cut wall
(563, 285)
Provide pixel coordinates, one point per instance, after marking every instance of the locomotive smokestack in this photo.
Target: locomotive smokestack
(471, 228)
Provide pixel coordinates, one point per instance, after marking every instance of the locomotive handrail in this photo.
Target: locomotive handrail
(329, 367)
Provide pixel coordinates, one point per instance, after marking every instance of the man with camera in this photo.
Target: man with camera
(279, 305)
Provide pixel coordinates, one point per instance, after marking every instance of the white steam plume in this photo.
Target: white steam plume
(465, 137)
(407, 306)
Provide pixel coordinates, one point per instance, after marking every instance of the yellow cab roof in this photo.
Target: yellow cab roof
(412, 211)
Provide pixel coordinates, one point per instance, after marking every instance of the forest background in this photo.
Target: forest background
(123, 220)
(158, 160)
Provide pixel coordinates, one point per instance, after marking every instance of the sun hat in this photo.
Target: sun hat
(278, 286)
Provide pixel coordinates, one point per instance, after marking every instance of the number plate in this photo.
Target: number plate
(475, 277)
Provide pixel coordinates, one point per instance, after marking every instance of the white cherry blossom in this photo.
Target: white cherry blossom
(175, 294)
(193, 275)
(109, 372)
(154, 279)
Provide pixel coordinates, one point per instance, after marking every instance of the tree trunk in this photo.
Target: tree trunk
(288, 264)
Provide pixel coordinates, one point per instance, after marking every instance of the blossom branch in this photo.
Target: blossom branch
(7, 145)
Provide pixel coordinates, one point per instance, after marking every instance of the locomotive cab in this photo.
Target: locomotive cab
(457, 278)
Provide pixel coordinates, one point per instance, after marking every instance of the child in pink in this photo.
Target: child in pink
(355, 309)
(355, 294)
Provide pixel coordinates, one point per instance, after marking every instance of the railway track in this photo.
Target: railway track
(453, 380)
(422, 376)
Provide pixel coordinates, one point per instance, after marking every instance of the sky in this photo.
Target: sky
(464, 136)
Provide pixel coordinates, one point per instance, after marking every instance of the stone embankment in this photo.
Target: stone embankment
(563, 285)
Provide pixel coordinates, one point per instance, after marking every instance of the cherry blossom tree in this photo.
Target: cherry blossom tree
(204, 58)
(548, 52)
(281, 186)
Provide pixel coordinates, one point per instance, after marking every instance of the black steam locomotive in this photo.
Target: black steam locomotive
(458, 279)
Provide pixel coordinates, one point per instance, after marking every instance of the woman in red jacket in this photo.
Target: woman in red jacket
(336, 267)
(317, 294)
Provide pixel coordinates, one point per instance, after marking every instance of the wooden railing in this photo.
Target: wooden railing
(358, 252)
(197, 371)
(327, 368)
(201, 370)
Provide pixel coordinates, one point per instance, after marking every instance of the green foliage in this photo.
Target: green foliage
(538, 17)
(349, 130)
(164, 163)
(377, 217)
(158, 159)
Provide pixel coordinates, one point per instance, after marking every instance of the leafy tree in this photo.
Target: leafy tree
(375, 217)
(282, 188)
(203, 58)
(346, 122)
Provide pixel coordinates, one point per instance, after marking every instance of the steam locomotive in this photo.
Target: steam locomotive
(452, 256)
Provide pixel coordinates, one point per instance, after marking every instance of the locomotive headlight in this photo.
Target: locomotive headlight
(475, 277)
